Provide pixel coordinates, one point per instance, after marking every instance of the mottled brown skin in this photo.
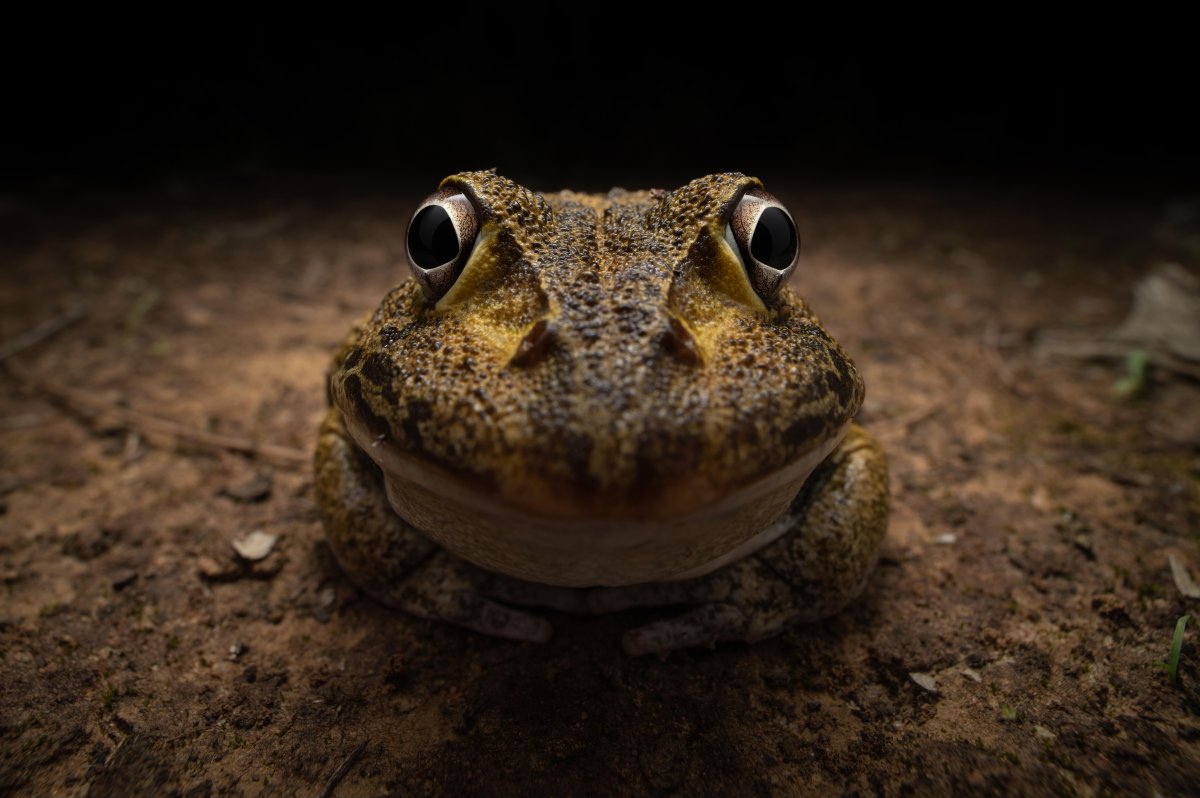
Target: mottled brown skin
(601, 357)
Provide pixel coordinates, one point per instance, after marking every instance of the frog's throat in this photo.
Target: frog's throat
(584, 551)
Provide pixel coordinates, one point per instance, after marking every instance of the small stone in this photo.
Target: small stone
(212, 570)
(255, 489)
(236, 650)
(1042, 733)
(124, 580)
(924, 681)
(255, 546)
(972, 674)
(946, 539)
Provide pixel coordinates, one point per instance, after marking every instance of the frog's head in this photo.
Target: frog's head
(590, 363)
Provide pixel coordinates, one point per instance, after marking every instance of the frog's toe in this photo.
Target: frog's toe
(445, 589)
(745, 601)
(703, 626)
(532, 594)
(469, 609)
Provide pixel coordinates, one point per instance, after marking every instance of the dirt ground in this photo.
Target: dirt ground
(1025, 577)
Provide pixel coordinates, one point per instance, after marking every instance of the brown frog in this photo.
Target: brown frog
(589, 402)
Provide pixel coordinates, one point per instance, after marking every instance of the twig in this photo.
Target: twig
(903, 425)
(342, 770)
(1083, 346)
(43, 331)
(1184, 583)
(990, 348)
(87, 404)
(116, 750)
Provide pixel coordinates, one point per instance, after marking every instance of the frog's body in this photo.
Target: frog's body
(604, 396)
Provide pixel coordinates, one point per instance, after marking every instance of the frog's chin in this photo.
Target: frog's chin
(689, 539)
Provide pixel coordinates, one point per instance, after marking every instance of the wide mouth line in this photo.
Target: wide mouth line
(398, 464)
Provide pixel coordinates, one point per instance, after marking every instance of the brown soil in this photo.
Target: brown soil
(1025, 570)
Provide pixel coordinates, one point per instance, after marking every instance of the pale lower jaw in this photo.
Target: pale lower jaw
(587, 551)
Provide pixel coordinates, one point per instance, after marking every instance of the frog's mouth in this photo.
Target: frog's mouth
(586, 549)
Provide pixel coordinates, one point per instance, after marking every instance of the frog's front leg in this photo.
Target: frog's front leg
(393, 561)
(808, 574)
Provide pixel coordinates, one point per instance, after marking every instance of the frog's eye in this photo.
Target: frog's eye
(763, 234)
(441, 236)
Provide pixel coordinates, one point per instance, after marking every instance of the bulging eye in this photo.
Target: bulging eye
(441, 236)
(763, 234)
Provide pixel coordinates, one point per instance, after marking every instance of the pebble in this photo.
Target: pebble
(924, 681)
(255, 489)
(255, 546)
(1043, 733)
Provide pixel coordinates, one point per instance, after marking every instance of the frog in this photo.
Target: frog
(585, 403)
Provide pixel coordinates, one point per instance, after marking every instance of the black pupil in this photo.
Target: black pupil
(774, 241)
(431, 238)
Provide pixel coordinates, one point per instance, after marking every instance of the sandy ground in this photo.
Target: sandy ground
(1025, 578)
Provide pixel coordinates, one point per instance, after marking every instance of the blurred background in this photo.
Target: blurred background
(591, 104)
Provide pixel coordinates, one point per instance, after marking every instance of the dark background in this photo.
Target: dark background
(590, 106)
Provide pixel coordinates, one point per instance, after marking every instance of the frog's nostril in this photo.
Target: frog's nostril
(535, 344)
(679, 342)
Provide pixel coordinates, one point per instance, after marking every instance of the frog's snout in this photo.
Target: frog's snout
(675, 340)
(680, 344)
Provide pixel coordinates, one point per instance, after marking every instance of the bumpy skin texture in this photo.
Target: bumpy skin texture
(610, 414)
(602, 357)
